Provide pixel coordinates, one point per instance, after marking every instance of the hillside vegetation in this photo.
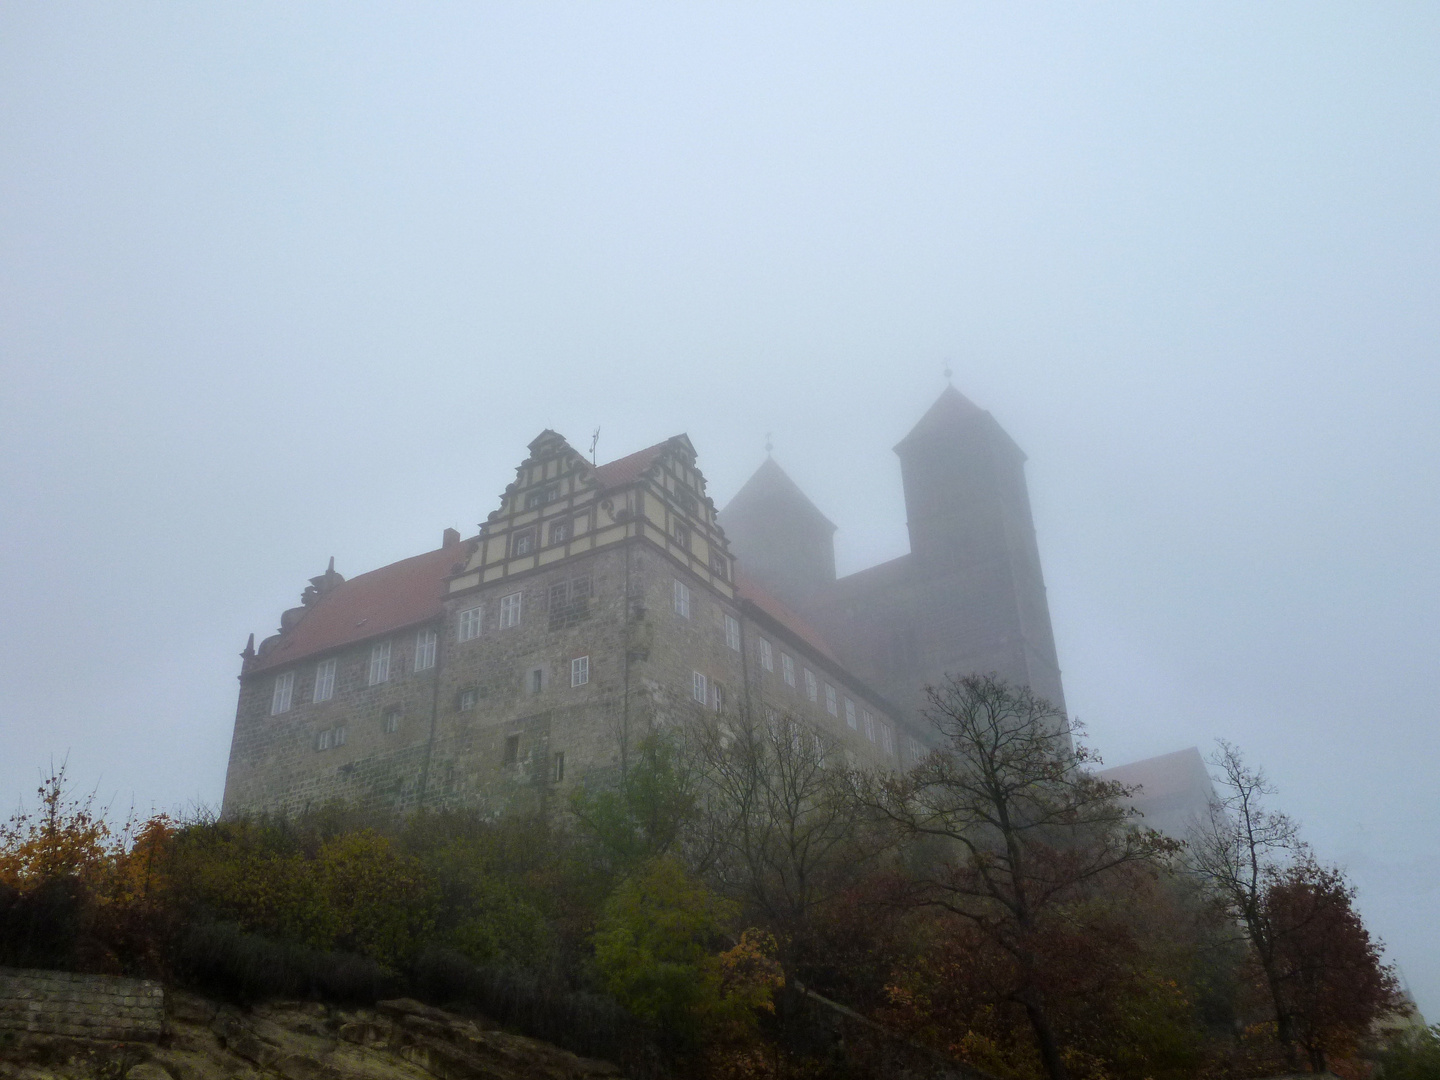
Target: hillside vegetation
(741, 902)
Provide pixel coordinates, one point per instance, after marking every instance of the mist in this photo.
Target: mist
(281, 283)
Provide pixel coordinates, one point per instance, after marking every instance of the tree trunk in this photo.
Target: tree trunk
(1050, 1055)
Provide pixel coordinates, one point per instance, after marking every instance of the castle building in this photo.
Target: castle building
(600, 601)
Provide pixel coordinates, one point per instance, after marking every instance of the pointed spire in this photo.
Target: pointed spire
(249, 653)
(331, 568)
(951, 410)
(769, 445)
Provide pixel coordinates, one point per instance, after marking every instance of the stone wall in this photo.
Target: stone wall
(87, 1006)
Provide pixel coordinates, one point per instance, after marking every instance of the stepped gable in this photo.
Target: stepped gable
(391, 598)
(630, 468)
(747, 589)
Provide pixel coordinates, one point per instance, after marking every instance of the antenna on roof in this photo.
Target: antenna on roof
(948, 373)
(594, 442)
(769, 444)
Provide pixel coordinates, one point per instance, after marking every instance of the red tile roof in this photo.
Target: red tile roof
(749, 590)
(627, 469)
(391, 598)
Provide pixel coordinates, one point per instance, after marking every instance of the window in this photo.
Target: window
(682, 599)
(329, 740)
(787, 667)
(699, 688)
(916, 751)
(869, 726)
(512, 749)
(468, 699)
(564, 593)
(557, 767)
(541, 497)
(682, 534)
(559, 532)
(812, 688)
(325, 680)
(887, 740)
(390, 720)
(424, 650)
(580, 671)
(718, 566)
(510, 610)
(850, 714)
(819, 748)
(732, 632)
(280, 698)
(522, 543)
(767, 655)
(470, 623)
(379, 663)
(536, 681)
(830, 706)
(718, 697)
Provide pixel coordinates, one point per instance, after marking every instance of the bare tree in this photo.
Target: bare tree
(1023, 826)
(784, 833)
(1239, 849)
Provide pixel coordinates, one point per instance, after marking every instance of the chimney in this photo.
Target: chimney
(450, 538)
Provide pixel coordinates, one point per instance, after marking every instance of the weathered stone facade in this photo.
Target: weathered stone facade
(80, 1006)
(595, 603)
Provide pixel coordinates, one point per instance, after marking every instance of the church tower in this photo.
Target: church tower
(969, 598)
(787, 544)
(972, 540)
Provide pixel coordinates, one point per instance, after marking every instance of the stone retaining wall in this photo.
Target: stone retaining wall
(88, 1006)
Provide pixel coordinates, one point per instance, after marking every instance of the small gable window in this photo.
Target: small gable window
(522, 543)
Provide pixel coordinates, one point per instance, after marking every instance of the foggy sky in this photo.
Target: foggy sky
(295, 281)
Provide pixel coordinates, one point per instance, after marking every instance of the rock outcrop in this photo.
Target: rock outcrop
(396, 1040)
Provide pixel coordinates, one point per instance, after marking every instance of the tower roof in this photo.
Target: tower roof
(951, 410)
(769, 485)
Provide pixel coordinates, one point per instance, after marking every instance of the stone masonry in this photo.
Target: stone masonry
(84, 1006)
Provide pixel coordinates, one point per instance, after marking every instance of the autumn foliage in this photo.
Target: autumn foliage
(743, 903)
